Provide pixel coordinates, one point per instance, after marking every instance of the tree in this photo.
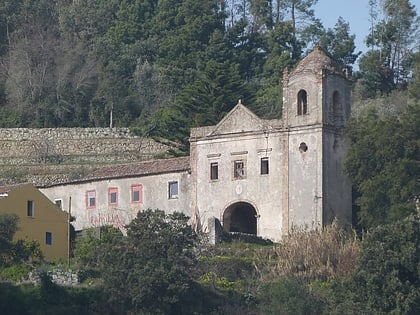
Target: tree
(15, 252)
(149, 271)
(383, 164)
(30, 62)
(387, 276)
(393, 39)
(414, 86)
(8, 228)
(289, 296)
(339, 43)
(282, 51)
(375, 77)
(203, 102)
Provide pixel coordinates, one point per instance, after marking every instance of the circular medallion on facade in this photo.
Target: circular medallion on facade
(238, 189)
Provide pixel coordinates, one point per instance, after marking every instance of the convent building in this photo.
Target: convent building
(252, 175)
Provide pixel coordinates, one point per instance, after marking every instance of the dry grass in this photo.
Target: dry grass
(311, 254)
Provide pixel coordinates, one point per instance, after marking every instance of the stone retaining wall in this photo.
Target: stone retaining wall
(57, 276)
(25, 151)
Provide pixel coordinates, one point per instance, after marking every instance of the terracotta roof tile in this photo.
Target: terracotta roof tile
(141, 169)
(317, 59)
(8, 188)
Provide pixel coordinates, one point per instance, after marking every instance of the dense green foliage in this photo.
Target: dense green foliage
(48, 298)
(393, 41)
(383, 163)
(160, 268)
(387, 275)
(166, 66)
(150, 270)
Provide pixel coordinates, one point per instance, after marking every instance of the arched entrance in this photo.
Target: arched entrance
(240, 217)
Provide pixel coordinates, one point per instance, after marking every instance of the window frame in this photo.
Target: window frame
(59, 203)
(302, 102)
(30, 208)
(48, 238)
(264, 166)
(171, 194)
(239, 169)
(136, 188)
(214, 171)
(89, 194)
(112, 191)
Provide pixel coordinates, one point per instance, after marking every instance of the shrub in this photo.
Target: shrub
(288, 296)
(311, 254)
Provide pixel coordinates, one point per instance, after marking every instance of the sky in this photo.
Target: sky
(355, 12)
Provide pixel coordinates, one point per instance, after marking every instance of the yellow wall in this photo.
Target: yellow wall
(47, 217)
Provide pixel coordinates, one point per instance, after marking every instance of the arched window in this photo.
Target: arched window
(302, 103)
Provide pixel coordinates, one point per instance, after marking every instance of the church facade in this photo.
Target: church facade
(265, 176)
(253, 175)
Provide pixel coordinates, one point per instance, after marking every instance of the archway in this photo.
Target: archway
(240, 217)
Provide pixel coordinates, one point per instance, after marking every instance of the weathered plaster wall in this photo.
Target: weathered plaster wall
(264, 192)
(305, 177)
(155, 196)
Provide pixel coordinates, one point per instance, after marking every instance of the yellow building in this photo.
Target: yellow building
(39, 219)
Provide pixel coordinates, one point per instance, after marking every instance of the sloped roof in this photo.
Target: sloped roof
(240, 119)
(8, 188)
(141, 169)
(317, 59)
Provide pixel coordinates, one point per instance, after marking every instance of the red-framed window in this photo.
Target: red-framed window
(91, 199)
(112, 196)
(137, 193)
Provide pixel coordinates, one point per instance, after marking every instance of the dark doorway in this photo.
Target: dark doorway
(240, 217)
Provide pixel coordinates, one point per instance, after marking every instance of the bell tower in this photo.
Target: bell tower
(316, 106)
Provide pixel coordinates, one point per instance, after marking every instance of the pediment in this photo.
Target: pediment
(239, 119)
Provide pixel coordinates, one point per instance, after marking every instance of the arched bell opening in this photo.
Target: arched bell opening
(240, 217)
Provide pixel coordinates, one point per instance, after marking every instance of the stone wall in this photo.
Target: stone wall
(56, 154)
(57, 276)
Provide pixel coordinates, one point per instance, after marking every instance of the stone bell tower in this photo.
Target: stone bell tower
(316, 105)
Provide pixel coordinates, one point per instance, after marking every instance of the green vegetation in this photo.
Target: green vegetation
(15, 252)
(383, 163)
(162, 267)
(165, 67)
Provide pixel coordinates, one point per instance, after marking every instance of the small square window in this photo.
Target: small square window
(30, 208)
(239, 169)
(214, 171)
(48, 238)
(264, 166)
(59, 203)
(173, 190)
(136, 194)
(112, 196)
(91, 199)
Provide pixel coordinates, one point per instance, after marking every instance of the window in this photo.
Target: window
(214, 171)
(136, 193)
(238, 169)
(59, 203)
(264, 166)
(30, 208)
(48, 238)
(112, 196)
(302, 105)
(91, 199)
(173, 190)
(303, 147)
